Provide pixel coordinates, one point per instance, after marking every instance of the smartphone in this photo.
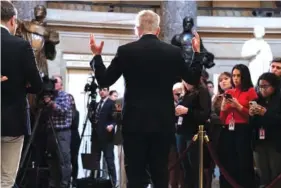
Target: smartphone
(227, 96)
(252, 103)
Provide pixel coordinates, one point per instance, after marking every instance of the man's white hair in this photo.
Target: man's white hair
(178, 85)
(147, 21)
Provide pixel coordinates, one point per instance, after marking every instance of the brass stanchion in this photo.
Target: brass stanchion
(201, 161)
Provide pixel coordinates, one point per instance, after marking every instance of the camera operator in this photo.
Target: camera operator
(61, 117)
(18, 69)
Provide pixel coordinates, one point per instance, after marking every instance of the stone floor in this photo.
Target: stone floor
(215, 183)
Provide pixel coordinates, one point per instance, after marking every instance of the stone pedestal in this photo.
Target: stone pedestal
(173, 13)
(26, 8)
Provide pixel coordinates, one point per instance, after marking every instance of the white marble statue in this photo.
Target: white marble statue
(258, 52)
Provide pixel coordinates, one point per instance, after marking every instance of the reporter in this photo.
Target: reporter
(148, 118)
(235, 152)
(224, 84)
(265, 119)
(19, 67)
(194, 110)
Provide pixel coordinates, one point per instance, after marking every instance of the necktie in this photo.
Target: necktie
(98, 110)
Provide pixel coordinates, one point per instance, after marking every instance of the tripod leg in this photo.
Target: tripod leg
(56, 140)
(85, 124)
(62, 152)
(31, 138)
(27, 148)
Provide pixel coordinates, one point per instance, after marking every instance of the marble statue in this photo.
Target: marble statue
(258, 52)
(42, 39)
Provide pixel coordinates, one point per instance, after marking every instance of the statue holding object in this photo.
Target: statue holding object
(42, 40)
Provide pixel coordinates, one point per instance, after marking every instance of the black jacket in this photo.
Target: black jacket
(270, 122)
(150, 68)
(19, 65)
(199, 110)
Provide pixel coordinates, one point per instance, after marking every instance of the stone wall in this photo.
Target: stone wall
(26, 8)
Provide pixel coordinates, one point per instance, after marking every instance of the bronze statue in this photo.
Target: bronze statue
(42, 39)
(184, 41)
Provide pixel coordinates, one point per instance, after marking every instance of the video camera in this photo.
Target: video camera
(91, 87)
(48, 87)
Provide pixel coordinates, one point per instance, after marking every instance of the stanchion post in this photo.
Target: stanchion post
(201, 161)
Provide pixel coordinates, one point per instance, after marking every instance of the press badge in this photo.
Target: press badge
(180, 120)
(231, 125)
(262, 134)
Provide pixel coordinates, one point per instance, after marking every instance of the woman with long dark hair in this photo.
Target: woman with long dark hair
(194, 110)
(265, 115)
(235, 152)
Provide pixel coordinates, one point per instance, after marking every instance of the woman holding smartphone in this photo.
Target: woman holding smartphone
(265, 115)
(235, 150)
(224, 84)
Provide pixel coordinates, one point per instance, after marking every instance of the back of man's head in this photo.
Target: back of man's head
(147, 22)
(9, 16)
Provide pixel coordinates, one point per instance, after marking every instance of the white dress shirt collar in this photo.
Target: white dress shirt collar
(4, 27)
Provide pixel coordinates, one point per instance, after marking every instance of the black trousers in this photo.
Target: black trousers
(75, 144)
(236, 155)
(60, 168)
(106, 147)
(144, 150)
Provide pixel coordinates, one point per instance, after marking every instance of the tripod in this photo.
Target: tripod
(27, 149)
(89, 109)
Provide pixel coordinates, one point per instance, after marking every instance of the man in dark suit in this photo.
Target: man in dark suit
(103, 132)
(150, 68)
(19, 67)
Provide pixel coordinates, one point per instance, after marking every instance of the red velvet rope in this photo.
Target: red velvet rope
(230, 180)
(274, 181)
(214, 156)
(183, 154)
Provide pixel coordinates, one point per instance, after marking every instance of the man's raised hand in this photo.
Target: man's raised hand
(95, 48)
(196, 42)
(4, 78)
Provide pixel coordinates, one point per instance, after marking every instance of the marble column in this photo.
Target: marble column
(26, 8)
(173, 13)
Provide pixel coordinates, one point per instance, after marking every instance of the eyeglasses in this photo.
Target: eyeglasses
(264, 86)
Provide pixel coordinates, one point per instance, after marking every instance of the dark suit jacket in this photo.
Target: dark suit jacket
(150, 68)
(105, 118)
(19, 65)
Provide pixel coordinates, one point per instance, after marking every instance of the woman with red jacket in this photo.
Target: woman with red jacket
(235, 152)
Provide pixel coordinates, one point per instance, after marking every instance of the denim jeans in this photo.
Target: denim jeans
(190, 161)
